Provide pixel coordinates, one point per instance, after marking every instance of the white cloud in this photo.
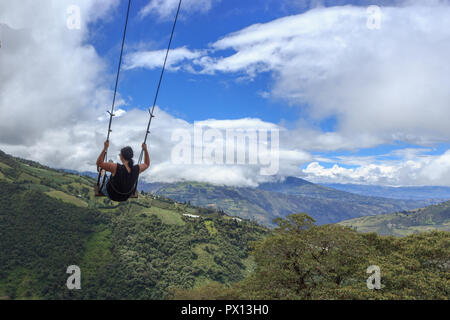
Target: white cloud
(410, 171)
(166, 9)
(223, 175)
(371, 174)
(54, 97)
(244, 123)
(381, 86)
(155, 59)
(77, 147)
(50, 77)
(387, 85)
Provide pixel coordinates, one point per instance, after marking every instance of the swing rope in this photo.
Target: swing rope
(157, 92)
(160, 81)
(151, 111)
(111, 113)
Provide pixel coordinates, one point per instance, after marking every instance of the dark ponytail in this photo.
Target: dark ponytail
(127, 154)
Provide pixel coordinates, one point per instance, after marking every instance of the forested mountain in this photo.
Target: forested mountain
(50, 220)
(435, 217)
(300, 260)
(270, 201)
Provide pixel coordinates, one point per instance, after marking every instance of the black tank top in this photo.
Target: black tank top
(123, 184)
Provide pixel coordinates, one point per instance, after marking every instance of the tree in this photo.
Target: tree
(300, 260)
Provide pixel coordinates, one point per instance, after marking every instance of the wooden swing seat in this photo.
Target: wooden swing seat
(99, 194)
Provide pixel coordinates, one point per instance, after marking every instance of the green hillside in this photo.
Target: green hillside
(50, 220)
(302, 261)
(435, 217)
(263, 204)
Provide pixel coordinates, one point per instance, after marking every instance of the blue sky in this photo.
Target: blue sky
(355, 103)
(222, 96)
(198, 97)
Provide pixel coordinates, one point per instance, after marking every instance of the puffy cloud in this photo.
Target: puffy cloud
(382, 85)
(155, 59)
(77, 147)
(388, 84)
(53, 99)
(244, 123)
(370, 174)
(409, 171)
(165, 9)
(50, 78)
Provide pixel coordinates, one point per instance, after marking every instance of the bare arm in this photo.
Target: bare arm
(146, 164)
(110, 167)
(101, 157)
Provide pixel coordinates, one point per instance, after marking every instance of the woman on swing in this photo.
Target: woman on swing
(122, 183)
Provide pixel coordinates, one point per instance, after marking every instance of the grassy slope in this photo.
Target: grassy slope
(50, 220)
(406, 222)
(325, 205)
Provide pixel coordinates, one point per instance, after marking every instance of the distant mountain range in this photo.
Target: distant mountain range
(406, 222)
(411, 193)
(272, 200)
(326, 203)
